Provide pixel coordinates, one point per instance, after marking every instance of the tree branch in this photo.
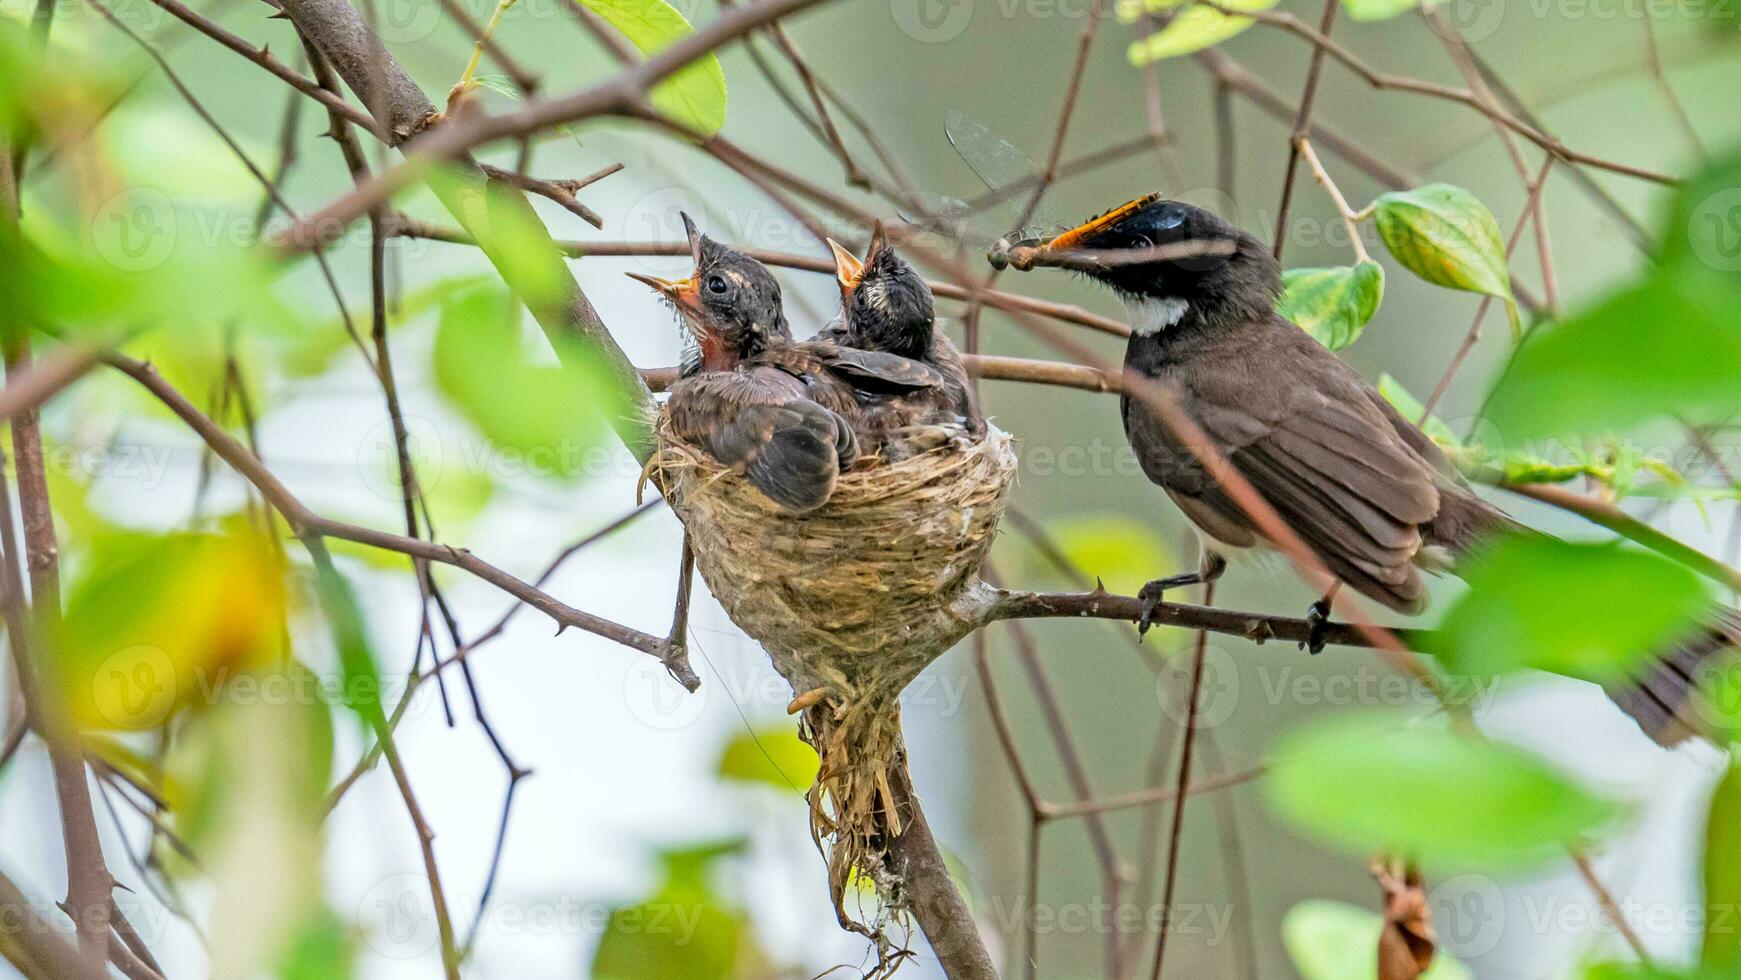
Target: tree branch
(993, 366)
(1007, 604)
(305, 522)
(336, 29)
(930, 892)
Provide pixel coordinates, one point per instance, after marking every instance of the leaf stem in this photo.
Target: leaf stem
(471, 67)
(1350, 217)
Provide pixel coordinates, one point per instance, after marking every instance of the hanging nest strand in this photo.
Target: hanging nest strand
(854, 599)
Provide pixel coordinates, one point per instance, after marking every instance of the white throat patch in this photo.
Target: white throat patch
(1152, 316)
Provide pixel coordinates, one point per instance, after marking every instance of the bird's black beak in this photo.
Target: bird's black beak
(1057, 250)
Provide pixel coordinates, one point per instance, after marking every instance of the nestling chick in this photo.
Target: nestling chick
(887, 306)
(781, 412)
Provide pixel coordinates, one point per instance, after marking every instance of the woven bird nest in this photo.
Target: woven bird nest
(853, 600)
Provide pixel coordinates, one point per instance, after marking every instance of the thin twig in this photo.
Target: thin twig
(1302, 129)
(1176, 831)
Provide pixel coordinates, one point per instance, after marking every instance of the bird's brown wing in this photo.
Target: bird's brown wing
(1314, 447)
(760, 421)
(874, 372)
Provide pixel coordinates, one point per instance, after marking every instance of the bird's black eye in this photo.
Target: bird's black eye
(716, 285)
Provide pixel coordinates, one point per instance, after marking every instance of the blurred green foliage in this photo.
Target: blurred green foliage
(1586, 610)
(552, 413)
(155, 623)
(1721, 949)
(1120, 551)
(1374, 781)
(1192, 28)
(771, 756)
(686, 930)
(1337, 941)
(1668, 345)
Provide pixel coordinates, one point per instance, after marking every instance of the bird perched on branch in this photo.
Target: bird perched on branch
(782, 412)
(887, 306)
(1367, 491)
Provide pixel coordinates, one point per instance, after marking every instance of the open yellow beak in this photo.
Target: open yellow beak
(848, 270)
(684, 293)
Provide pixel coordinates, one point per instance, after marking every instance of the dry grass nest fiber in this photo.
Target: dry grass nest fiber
(860, 594)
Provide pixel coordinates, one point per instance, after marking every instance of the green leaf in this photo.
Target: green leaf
(499, 84)
(1370, 10)
(1337, 941)
(1365, 784)
(1580, 609)
(322, 949)
(1668, 346)
(692, 866)
(548, 416)
(679, 934)
(1722, 946)
(508, 231)
(1445, 235)
(259, 764)
(1193, 29)
(361, 678)
(1332, 304)
(312, 351)
(695, 94)
(1638, 971)
(1703, 227)
(776, 757)
(1120, 551)
(140, 261)
(156, 623)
